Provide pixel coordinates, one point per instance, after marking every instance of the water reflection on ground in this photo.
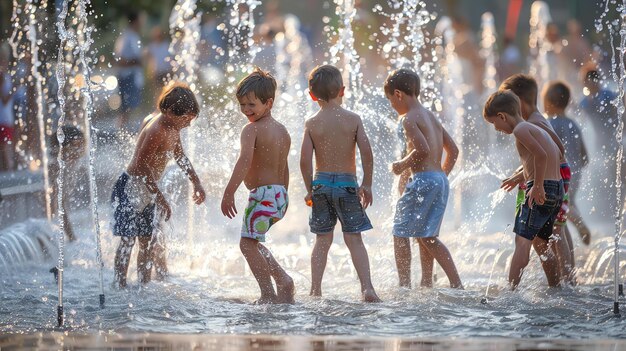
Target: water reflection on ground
(165, 342)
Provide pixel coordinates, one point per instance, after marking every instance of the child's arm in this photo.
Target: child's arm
(452, 152)
(527, 138)
(306, 163)
(184, 164)
(367, 161)
(415, 137)
(248, 137)
(583, 149)
(516, 178)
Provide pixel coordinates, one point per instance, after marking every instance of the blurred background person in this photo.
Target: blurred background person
(130, 70)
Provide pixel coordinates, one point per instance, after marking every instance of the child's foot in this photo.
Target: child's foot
(265, 300)
(369, 295)
(285, 290)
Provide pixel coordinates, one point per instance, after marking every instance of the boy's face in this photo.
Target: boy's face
(395, 99)
(253, 108)
(499, 122)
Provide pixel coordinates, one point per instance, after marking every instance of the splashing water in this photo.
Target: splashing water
(539, 46)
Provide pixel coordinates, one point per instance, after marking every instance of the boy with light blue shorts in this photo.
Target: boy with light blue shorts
(420, 209)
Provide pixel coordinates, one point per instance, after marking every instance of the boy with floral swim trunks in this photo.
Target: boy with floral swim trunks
(262, 166)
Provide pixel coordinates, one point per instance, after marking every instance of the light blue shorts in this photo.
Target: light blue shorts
(420, 209)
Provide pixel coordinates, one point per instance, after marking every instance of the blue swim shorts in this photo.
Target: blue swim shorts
(133, 206)
(420, 209)
(335, 197)
(538, 220)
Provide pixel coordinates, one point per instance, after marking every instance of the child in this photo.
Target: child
(73, 150)
(262, 166)
(540, 158)
(420, 209)
(333, 193)
(561, 266)
(556, 97)
(136, 194)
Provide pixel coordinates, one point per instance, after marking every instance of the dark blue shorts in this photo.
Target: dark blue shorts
(538, 220)
(335, 197)
(130, 221)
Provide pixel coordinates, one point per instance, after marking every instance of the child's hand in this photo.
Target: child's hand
(198, 194)
(511, 182)
(308, 199)
(396, 168)
(163, 206)
(536, 195)
(228, 206)
(365, 193)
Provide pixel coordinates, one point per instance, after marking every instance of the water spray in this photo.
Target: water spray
(60, 75)
(484, 300)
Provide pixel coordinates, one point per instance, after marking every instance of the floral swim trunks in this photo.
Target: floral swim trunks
(267, 205)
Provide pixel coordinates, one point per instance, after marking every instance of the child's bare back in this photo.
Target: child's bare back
(271, 148)
(334, 136)
(431, 139)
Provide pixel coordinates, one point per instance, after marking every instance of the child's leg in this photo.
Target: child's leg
(520, 260)
(567, 235)
(549, 262)
(122, 260)
(144, 259)
(577, 219)
(561, 247)
(440, 252)
(402, 252)
(285, 288)
(260, 269)
(354, 242)
(158, 256)
(428, 263)
(319, 256)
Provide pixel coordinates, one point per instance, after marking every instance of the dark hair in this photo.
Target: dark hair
(558, 94)
(502, 101)
(403, 79)
(177, 98)
(325, 82)
(524, 86)
(259, 82)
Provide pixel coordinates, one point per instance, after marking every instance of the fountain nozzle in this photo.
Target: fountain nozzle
(55, 271)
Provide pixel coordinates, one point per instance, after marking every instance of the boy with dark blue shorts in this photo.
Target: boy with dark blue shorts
(136, 195)
(540, 158)
(334, 193)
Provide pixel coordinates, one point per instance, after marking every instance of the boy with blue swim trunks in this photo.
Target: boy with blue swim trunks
(333, 134)
(262, 166)
(420, 209)
(540, 158)
(136, 195)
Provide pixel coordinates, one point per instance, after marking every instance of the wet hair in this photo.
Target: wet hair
(403, 79)
(502, 101)
(261, 83)
(524, 86)
(178, 99)
(325, 82)
(558, 94)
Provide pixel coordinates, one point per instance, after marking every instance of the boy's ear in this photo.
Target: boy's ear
(313, 97)
(501, 115)
(271, 102)
(342, 91)
(398, 94)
